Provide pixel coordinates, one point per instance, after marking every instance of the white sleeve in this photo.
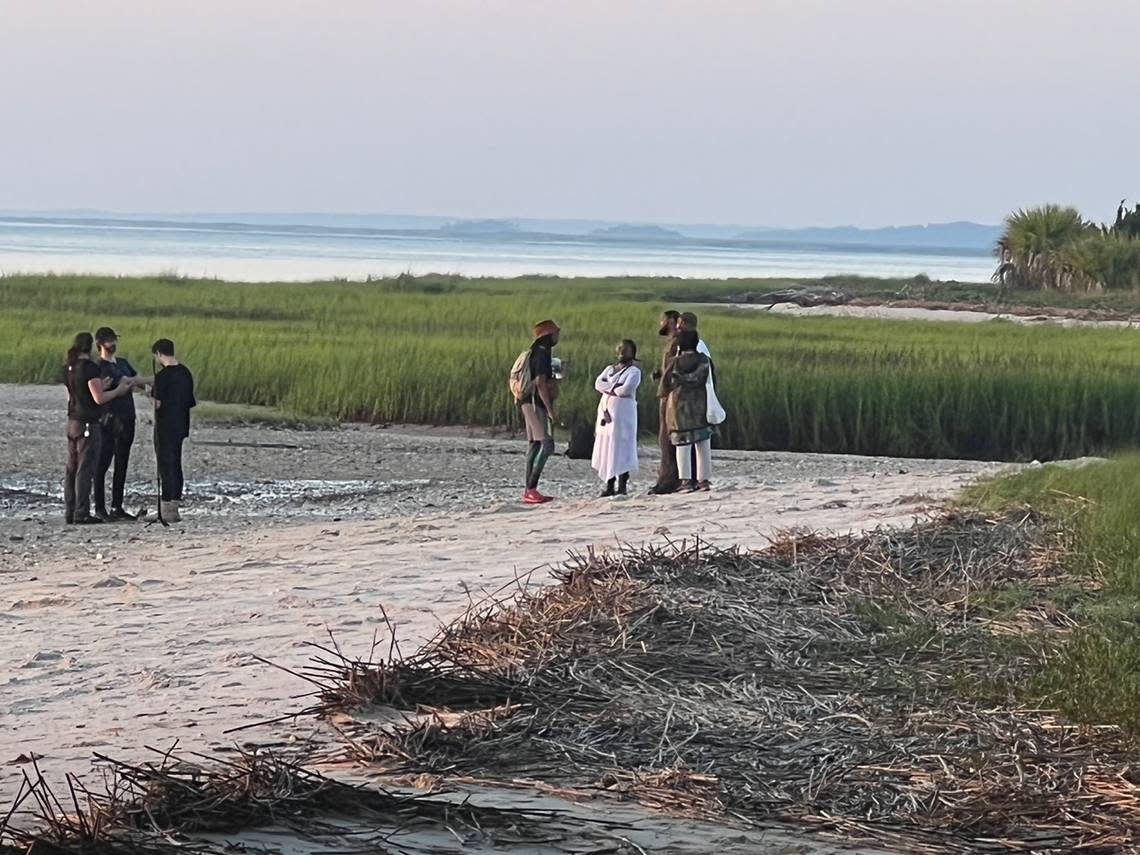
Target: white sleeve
(628, 387)
(602, 384)
(703, 348)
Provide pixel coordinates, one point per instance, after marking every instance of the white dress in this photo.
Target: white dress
(615, 443)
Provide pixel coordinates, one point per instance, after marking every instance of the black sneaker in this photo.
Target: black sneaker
(88, 520)
(102, 515)
(119, 515)
(663, 489)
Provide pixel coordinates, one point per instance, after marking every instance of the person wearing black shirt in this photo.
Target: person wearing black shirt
(87, 394)
(173, 394)
(538, 410)
(117, 427)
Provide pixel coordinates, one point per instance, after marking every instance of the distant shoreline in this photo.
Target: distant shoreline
(362, 249)
(967, 237)
(789, 240)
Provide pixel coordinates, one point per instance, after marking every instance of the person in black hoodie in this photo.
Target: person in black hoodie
(87, 395)
(117, 427)
(173, 394)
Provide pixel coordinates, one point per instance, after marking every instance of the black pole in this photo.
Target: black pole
(157, 459)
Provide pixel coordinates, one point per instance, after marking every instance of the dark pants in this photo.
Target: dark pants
(541, 442)
(116, 445)
(667, 470)
(83, 443)
(168, 450)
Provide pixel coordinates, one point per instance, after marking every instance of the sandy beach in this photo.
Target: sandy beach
(123, 636)
(974, 315)
(345, 244)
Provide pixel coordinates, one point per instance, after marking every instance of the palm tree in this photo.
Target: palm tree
(1036, 249)
(1127, 222)
(1109, 260)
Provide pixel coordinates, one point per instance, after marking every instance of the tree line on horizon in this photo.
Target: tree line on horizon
(1053, 247)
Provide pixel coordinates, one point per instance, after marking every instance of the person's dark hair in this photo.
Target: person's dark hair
(163, 347)
(632, 346)
(688, 340)
(689, 319)
(82, 344)
(669, 315)
(105, 334)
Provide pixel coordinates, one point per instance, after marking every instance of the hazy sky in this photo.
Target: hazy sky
(771, 112)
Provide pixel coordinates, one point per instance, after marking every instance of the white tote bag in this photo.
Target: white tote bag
(714, 412)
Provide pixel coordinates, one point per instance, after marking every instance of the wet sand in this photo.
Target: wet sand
(122, 636)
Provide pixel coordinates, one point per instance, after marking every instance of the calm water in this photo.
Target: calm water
(268, 253)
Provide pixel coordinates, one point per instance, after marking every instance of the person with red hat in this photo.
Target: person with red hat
(537, 392)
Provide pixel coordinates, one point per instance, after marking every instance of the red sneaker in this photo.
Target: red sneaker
(533, 497)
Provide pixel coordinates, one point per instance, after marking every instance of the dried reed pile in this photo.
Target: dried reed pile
(178, 806)
(860, 684)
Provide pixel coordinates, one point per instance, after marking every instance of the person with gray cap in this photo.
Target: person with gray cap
(688, 321)
(687, 412)
(116, 426)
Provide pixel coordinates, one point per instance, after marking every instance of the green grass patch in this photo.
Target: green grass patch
(1096, 675)
(1097, 503)
(436, 350)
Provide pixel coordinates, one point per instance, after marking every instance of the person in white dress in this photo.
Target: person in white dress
(615, 438)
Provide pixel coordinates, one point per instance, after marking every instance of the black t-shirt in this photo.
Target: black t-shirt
(174, 387)
(122, 408)
(81, 404)
(540, 366)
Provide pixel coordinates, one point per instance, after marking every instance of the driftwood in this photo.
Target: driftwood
(179, 805)
(806, 297)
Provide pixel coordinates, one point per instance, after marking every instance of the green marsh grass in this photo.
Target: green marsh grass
(436, 350)
(1096, 677)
